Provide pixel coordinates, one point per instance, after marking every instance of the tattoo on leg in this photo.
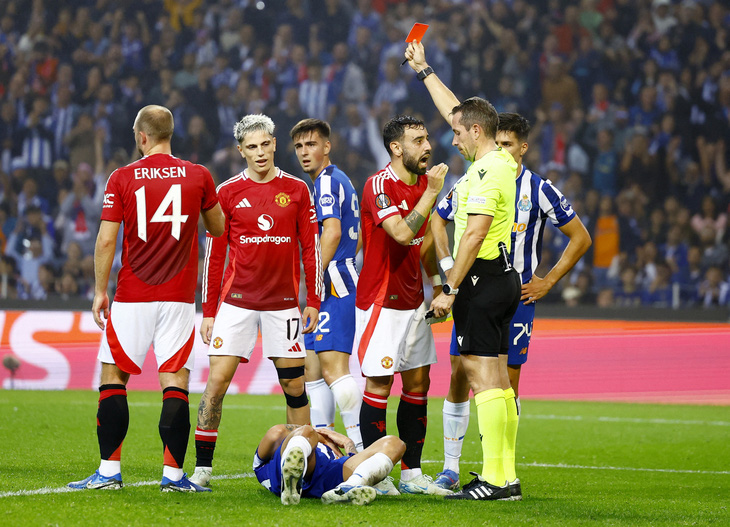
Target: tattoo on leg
(414, 220)
(209, 412)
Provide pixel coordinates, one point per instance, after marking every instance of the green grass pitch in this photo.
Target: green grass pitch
(579, 462)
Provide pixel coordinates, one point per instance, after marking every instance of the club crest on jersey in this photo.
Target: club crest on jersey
(265, 222)
(386, 362)
(524, 204)
(282, 199)
(326, 200)
(565, 205)
(217, 342)
(382, 201)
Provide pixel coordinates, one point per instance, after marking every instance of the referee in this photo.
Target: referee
(482, 287)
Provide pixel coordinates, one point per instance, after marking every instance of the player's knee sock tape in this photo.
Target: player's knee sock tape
(372, 418)
(299, 442)
(411, 421)
(205, 447)
(175, 425)
(456, 421)
(371, 471)
(112, 420)
(322, 410)
(492, 417)
(296, 401)
(349, 399)
(510, 435)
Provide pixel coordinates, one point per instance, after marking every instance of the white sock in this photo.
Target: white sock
(409, 474)
(300, 442)
(172, 473)
(349, 399)
(110, 468)
(456, 421)
(371, 471)
(322, 404)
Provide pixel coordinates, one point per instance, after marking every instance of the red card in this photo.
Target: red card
(417, 32)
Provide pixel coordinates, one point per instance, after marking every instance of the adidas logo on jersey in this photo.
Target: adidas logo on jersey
(243, 203)
(403, 205)
(296, 347)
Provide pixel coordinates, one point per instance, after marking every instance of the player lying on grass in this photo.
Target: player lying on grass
(294, 461)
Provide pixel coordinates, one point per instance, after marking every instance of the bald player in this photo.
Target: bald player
(158, 199)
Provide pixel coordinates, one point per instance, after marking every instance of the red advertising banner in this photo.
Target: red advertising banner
(568, 359)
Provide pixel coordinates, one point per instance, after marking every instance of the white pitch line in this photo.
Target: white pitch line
(639, 420)
(588, 467)
(60, 490)
(547, 417)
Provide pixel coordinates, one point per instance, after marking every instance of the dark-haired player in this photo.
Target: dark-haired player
(298, 461)
(158, 198)
(391, 333)
(327, 369)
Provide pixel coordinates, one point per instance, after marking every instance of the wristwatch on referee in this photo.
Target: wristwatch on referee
(421, 75)
(448, 290)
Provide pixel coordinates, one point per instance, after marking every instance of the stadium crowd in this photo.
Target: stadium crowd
(629, 102)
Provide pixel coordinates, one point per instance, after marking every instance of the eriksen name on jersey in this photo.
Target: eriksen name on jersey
(159, 173)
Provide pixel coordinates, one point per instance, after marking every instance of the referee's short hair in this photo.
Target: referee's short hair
(514, 122)
(476, 110)
(156, 122)
(306, 126)
(396, 128)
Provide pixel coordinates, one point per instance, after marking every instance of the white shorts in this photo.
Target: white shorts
(392, 340)
(235, 331)
(133, 326)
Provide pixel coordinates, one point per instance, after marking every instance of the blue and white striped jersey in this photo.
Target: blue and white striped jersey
(536, 200)
(335, 197)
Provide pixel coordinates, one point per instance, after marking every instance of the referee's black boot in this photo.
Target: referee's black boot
(479, 489)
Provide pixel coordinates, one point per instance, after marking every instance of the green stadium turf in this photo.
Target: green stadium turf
(579, 462)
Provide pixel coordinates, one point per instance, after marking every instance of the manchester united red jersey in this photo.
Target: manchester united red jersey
(391, 272)
(159, 199)
(265, 225)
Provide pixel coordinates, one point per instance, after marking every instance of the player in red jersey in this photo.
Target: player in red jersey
(158, 198)
(269, 214)
(391, 334)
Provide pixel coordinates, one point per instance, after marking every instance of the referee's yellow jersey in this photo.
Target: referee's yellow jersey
(488, 189)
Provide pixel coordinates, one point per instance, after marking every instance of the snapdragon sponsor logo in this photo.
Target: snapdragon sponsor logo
(277, 240)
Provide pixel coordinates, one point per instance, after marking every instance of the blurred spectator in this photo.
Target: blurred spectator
(627, 292)
(714, 290)
(30, 246)
(79, 213)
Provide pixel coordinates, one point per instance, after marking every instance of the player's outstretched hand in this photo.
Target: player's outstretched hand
(416, 56)
(436, 176)
(100, 305)
(309, 318)
(206, 329)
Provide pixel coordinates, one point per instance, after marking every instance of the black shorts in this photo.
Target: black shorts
(487, 300)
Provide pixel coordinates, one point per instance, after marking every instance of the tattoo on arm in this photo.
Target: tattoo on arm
(291, 428)
(414, 220)
(209, 413)
(350, 448)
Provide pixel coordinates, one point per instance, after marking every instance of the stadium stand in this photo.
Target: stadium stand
(629, 101)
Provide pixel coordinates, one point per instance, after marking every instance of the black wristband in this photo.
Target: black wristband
(424, 73)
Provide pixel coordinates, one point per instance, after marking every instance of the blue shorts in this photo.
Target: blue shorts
(336, 327)
(326, 476)
(519, 335)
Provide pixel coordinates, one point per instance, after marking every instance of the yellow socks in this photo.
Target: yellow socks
(492, 417)
(510, 438)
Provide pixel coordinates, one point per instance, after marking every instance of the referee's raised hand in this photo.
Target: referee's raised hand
(416, 56)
